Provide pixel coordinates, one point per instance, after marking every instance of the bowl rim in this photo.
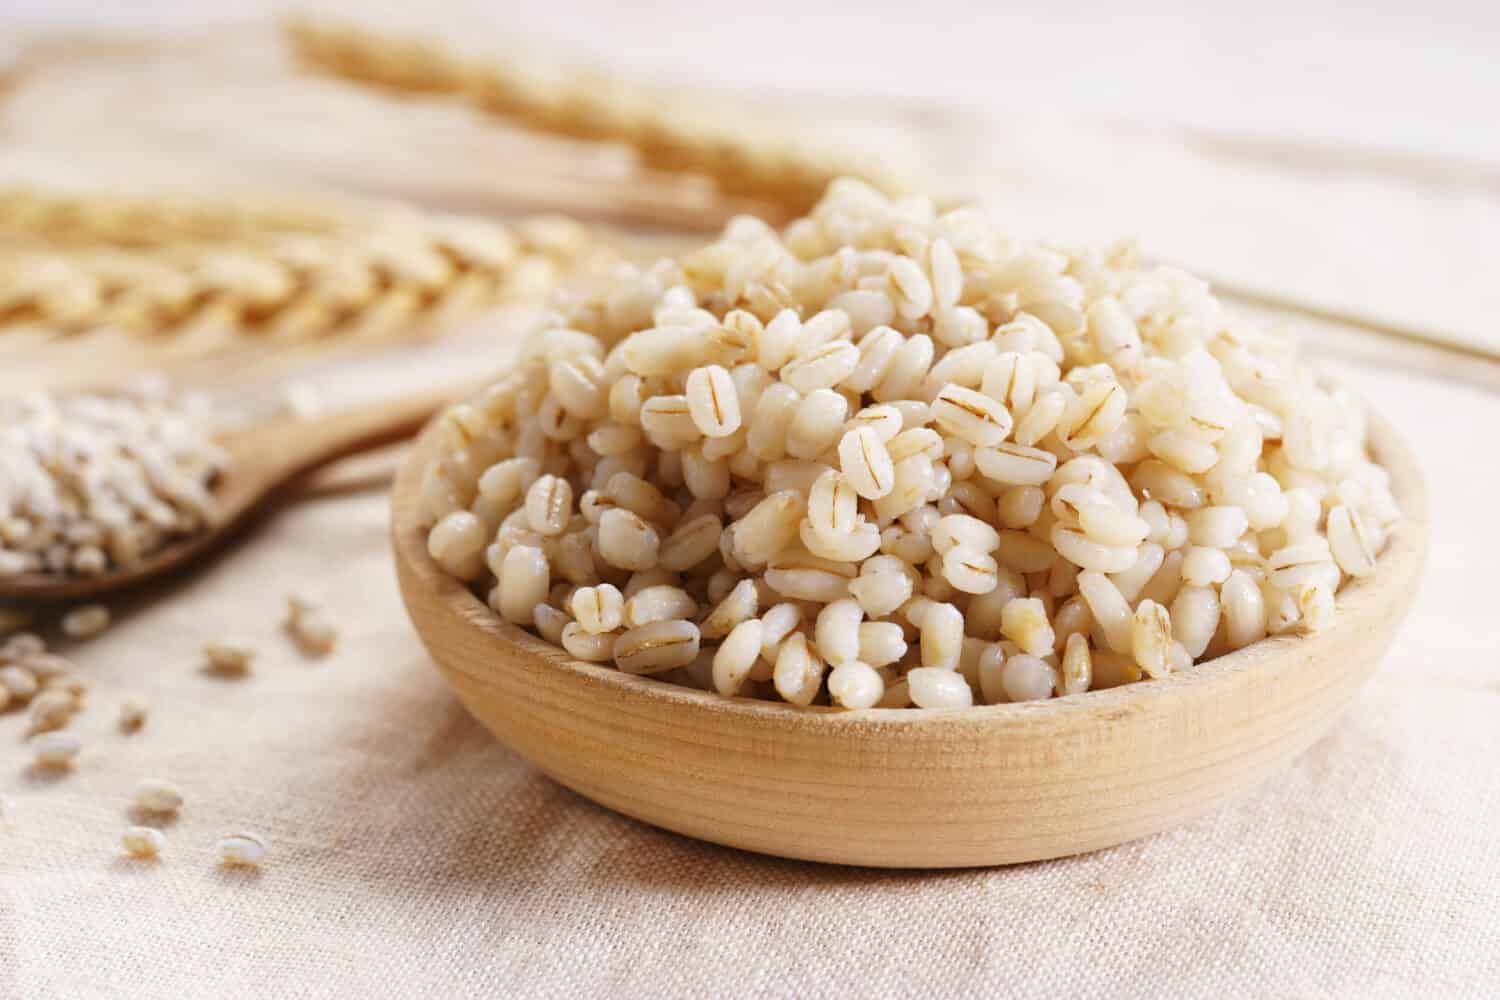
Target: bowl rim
(1398, 565)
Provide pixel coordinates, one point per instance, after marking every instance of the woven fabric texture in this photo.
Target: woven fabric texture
(412, 855)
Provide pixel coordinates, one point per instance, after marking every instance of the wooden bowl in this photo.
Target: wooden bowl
(913, 788)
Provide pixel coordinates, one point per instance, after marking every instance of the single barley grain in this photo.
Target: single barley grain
(658, 603)
(972, 416)
(85, 622)
(457, 543)
(866, 462)
(1195, 617)
(713, 401)
(837, 632)
(1217, 527)
(798, 673)
(1024, 622)
(309, 626)
(739, 605)
(598, 609)
(626, 541)
(1244, 609)
(143, 842)
(1203, 567)
(51, 709)
(881, 643)
(1109, 609)
(1027, 678)
(242, 850)
(657, 647)
(153, 795)
(550, 622)
(1077, 666)
(55, 750)
(228, 657)
(18, 682)
(736, 656)
(853, 685)
(942, 632)
(589, 646)
(1151, 638)
(939, 687)
(1350, 542)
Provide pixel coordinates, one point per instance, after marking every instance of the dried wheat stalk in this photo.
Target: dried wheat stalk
(69, 264)
(744, 158)
(73, 219)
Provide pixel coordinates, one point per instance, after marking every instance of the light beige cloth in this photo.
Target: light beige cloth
(413, 856)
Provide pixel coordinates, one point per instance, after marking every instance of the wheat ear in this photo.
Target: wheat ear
(745, 158)
(370, 271)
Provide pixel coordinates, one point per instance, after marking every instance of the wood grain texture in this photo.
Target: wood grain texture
(907, 787)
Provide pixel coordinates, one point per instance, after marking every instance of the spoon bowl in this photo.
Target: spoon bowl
(265, 461)
(913, 788)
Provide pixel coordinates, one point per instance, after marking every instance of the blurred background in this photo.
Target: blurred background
(1396, 77)
(1300, 154)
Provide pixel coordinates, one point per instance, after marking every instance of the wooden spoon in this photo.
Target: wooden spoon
(264, 461)
(913, 787)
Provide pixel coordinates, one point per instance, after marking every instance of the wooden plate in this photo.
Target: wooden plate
(913, 787)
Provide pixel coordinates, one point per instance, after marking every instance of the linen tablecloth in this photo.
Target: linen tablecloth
(411, 855)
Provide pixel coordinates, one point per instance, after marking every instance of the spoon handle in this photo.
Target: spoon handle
(288, 447)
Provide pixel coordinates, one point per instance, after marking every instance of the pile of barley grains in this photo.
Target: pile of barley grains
(45, 682)
(889, 457)
(92, 483)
